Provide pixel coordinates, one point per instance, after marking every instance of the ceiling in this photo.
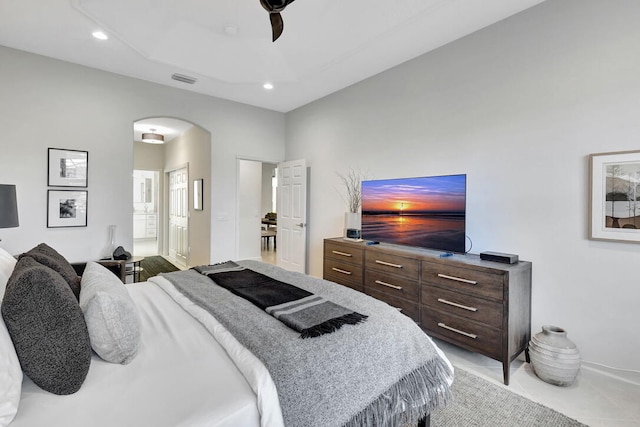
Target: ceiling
(168, 127)
(226, 44)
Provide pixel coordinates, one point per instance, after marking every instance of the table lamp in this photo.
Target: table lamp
(8, 206)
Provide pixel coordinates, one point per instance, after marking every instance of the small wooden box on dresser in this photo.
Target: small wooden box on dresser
(482, 306)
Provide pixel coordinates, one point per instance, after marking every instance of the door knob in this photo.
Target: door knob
(300, 225)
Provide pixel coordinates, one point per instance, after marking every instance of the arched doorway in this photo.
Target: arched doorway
(177, 145)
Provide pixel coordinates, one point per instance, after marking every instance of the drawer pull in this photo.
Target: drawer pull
(458, 331)
(458, 279)
(342, 271)
(388, 285)
(455, 304)
(342, 253)
(388, 264)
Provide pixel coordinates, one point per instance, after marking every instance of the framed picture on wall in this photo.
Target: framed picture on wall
(67, 168)
(615, 196)
(197, 194)
(66, 208)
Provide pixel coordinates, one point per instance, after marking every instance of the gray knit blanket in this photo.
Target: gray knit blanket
(383, 372)
(309, 314)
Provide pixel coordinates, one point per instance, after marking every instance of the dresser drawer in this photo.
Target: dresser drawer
(408, 308)
(474, 282)
(463, 305)
(394, 264)
(344, 282)
(344, 252)
(343, 273)
(392, 285)
(464, 332)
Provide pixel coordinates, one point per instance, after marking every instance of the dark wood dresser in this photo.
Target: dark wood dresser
(482, 306)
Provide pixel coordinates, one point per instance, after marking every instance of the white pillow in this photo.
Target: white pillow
(110, 313)
(7, 262)
(10, 370)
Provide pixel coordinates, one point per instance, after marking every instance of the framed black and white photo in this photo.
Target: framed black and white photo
(66, 208)
(197, 194)
(615, 196)
(67, 168)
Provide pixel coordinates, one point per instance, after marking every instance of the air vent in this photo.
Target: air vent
(184, 79)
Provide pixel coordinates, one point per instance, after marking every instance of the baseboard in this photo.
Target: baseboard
(628, 376)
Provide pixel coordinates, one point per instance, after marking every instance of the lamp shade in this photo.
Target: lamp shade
(8, 206)
(153, 138)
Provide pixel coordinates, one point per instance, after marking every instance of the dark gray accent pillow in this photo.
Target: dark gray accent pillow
(47, 327)
(46, 255)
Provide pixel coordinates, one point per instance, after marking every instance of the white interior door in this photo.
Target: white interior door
(179, 216)
(292, 215)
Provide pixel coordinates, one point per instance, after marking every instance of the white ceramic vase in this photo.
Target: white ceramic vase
(352, 221)
(107, 252)
(554, 357)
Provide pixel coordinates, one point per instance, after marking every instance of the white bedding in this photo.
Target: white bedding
(183, 375)
(180, 377)
(251, 367)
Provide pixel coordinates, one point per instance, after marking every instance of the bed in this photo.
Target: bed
(191, 368)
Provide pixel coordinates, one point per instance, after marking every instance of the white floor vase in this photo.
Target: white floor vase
(554, 357)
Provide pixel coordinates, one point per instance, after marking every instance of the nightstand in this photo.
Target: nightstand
(124, 267)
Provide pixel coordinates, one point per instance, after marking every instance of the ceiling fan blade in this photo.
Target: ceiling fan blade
(266, 5)
(276, 25)
(275, 5)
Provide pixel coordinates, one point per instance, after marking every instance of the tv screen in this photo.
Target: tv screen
(427, 212)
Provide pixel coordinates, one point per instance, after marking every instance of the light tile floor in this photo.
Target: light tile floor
(145, 247)
(595, 399)
(269, 256)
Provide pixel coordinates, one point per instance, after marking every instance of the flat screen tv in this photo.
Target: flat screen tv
(427, 212)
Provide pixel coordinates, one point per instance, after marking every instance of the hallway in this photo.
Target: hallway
(269, 256)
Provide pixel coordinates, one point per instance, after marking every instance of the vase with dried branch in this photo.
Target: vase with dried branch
(352, 195)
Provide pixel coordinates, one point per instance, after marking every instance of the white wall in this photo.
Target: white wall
(249, 208)
(518, 107)
(148, 156)
(49, 103)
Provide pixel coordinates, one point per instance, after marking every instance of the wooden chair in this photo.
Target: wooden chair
(266, 236)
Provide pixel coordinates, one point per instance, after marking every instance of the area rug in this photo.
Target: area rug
(477, 402)
(154, 265)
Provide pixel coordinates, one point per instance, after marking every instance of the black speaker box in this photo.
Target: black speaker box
(499, 257)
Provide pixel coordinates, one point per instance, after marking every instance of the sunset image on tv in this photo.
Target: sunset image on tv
(427, 212)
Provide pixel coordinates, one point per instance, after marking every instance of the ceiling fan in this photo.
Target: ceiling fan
(274, 7)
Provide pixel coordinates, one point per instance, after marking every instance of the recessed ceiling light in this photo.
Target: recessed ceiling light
(99, 35)
(268, 86)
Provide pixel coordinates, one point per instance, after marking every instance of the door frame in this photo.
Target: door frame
(237, 207)
(163, 180)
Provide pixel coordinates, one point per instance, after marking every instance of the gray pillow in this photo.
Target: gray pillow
(47, 327)
(111, 315)
(46, 255)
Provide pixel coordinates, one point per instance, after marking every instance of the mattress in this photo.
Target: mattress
(181, 377)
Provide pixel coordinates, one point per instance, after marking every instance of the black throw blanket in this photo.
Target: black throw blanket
(309, 314)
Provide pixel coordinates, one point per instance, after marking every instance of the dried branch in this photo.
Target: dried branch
(353, 191)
